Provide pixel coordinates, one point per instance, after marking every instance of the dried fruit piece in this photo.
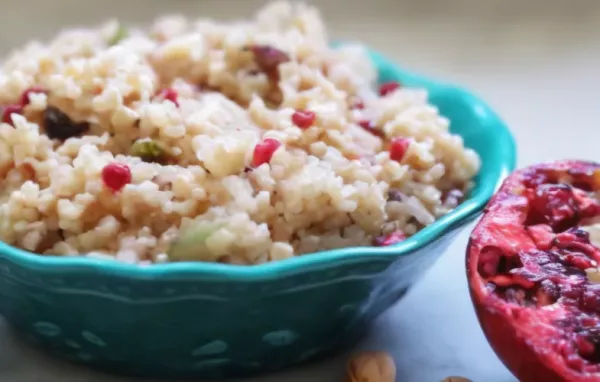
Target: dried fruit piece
(149, 150)
(456, 379)
(190, 244)
(372, 367)
(303, 118)
(268, 58)
(58, 125)
(120, 34)
(116, 175)
(263, 152)
(533, 273)
(396, 195)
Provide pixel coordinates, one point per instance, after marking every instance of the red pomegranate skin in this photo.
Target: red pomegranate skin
(526, 339)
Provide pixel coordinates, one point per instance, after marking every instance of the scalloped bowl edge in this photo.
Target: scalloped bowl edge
(497, 165)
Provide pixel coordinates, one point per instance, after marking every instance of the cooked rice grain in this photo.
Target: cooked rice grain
(325, 187)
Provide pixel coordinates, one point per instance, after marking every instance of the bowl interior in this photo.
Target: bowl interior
(470, 117)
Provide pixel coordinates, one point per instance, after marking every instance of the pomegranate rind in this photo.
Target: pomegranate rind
(508, 328)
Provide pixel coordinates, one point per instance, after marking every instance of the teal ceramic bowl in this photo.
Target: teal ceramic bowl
(215, 320)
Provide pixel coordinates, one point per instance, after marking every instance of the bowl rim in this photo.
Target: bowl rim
(466, 211)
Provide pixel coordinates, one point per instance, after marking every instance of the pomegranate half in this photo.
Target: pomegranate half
(532, 266)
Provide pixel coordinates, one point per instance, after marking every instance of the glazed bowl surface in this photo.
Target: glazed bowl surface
(206, 320)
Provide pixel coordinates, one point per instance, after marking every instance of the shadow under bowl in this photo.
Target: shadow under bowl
(205, 320)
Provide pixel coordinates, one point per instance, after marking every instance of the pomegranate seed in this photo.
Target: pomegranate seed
(169, 94)
(588, 206)
(9, 110)
(303, 118)
(398, 148)
(371, 128)
(555, 203)
(534, 178)
(392, 238)
(264, 151)
(388, 87)
(25, 96)
(585, 347)
(116, 175)
(574, 362)
(357, 103)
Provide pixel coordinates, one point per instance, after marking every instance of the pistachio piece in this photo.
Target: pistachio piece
(190, 245)
(119, 35)
(149, 150)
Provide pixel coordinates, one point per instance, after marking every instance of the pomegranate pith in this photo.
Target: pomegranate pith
(527, 265)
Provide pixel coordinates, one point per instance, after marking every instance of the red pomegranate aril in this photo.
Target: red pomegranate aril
(534, 177)
(555, 203)
(550, 289)
(303, 118)
(530, 266)
(263, 151)
(585, 347)
(590, 301)
(25, 96)
(357, 103)
(169, 94)
(390, 239)
(568, 241)
(587, 205)
(116, 176)
(575, 362)
(371, 128)
(579, 261)
(570, 291)
(388, 87)
(398, 148)
(9, 110)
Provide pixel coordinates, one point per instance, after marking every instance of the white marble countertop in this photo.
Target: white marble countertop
(535, 62)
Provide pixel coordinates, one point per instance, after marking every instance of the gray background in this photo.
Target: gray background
(536, 62)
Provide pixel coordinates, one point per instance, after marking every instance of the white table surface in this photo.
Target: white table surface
(536, 62)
